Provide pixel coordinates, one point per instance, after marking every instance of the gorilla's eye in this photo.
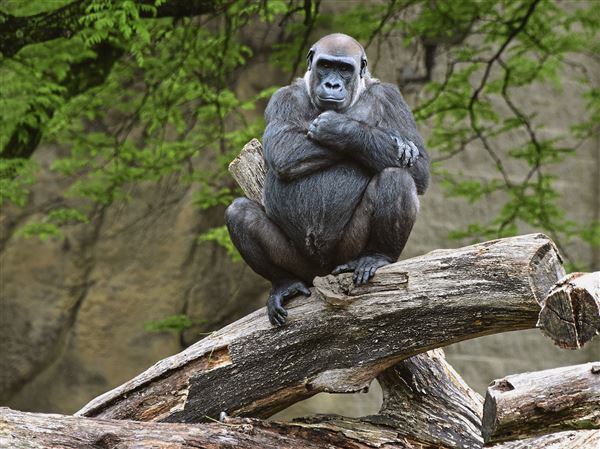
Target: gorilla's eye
(346, 68)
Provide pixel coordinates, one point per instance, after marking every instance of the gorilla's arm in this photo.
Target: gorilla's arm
(288, 151)
(379, 132)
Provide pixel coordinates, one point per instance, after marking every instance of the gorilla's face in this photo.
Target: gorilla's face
(337, 65)
(334, 80)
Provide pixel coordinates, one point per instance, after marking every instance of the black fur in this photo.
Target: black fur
(341, 188)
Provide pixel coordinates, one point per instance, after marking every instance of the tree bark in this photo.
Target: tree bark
(570, 314)
(425, 398)
(249, 170)
(529, 404)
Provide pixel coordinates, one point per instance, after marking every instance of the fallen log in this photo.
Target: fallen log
(404, 389)
(250, 368)
(20, 430)
(570, 314)
(530, 404)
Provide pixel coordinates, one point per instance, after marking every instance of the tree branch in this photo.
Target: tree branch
(251, 368)
(20, 31)
(530, 404)
(84, 75)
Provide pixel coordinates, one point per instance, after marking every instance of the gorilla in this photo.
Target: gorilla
(345, 164)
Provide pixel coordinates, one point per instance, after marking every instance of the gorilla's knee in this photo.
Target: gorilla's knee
(395, 184)
(395, 176)
(236, 211)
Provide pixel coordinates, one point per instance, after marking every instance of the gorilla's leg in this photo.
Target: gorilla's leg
(380, 226)
(270, 253)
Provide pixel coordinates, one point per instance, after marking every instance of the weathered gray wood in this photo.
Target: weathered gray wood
(529, 404)
(249, 170)
(570, 314)
(425, 398)
(19, 430)
(250, 368)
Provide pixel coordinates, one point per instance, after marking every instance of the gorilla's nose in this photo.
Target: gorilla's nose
(333, 86)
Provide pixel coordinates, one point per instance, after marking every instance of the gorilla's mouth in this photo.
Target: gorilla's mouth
(331, 99)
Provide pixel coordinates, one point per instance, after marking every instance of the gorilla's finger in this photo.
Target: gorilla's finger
(277, 316)
(304, 290)
(366, 275)
(344, 268)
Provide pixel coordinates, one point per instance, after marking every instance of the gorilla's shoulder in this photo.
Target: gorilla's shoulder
(289, 99)
(388, 91)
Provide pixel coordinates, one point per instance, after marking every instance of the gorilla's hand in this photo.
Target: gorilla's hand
(408, 153)
(279, 292)
(326, 128)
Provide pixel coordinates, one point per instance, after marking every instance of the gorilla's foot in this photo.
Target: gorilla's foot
(280, 291)
(364, 267)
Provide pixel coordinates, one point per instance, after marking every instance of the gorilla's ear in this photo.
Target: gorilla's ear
(309, 57)
(363, 66)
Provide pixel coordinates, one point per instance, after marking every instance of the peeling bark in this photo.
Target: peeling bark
(529, 404)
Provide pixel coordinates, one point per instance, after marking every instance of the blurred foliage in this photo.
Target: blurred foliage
(172, 323)
(134, 99)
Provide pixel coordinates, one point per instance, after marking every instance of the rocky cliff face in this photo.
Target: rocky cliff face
(73, 311)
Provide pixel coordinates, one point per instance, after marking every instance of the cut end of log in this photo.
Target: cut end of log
(570, 314)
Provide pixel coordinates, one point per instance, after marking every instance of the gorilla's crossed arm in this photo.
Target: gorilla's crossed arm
(345, 164)
(378, 132)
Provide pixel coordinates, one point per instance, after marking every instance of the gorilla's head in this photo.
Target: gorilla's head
(337, 67)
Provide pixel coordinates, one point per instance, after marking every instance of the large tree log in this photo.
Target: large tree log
(529, 404)
(570, 314)
(339, 339)
(424, 397)
(19, 430)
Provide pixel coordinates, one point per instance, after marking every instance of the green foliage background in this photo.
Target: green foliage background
(134, 99)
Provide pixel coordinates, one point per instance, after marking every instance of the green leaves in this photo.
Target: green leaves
(175, 107)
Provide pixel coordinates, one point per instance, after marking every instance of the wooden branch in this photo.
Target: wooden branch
(20, 31)
(570, 314)
(529, 404)
(425, 398)
(19, 430)
(250, 368)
